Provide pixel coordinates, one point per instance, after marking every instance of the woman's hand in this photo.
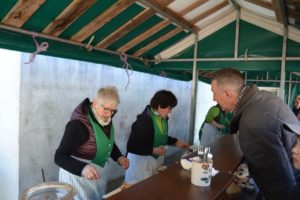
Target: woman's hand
(123, 162)
(159, 151)
(90, 172)
(181, 144)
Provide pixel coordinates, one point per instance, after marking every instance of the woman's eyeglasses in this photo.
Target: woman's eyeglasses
(112, 111)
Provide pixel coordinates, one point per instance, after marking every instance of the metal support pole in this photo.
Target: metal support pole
(237, 32)
(194, 93)
(282, 77)
(61, 40)
(290, 88)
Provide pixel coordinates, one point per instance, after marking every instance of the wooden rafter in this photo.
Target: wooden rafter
(188, 41)
(68, 16)
(209, 12)
(158, 41)
(171, 15)
(191, 7)
(127, 27)
(159, 26)
(295, 3)
(279, 12)
(293, 14)
(130, 25)
(102, 19)
(145, 35)
(21, 12)
(264, 4)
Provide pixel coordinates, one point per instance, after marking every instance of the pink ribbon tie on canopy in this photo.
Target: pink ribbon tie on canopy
(39, 48)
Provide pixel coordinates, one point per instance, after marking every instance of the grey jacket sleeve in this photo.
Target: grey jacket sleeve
(268, 162)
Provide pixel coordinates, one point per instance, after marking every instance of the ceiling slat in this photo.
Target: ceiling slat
(264, 4)
(192, 7)
(278, 11)
(68, 16)
(130, 25)
(171, 15)
(127, 27)
(209, 12)
(101, 20)
(294, 3)
(21, 12)
(188, 41)
(145, 35)
(158, 27)
(293, 14)
(158, 41)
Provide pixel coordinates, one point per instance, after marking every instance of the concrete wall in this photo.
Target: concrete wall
(52, 87)
(9, 129)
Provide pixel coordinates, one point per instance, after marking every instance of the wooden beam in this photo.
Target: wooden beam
(280, 11)
(191, 7)
(293, 3)
(264, 4)
(188, 41)
(101, 20)
(209, 12)
(127, 27)
(68, 16)
(21, 12)
(145, 35)
(171, 15)
(158, 41)
(293, 14)
(130, 25)
(158, 27)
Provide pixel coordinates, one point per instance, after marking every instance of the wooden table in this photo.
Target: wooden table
(175, 182)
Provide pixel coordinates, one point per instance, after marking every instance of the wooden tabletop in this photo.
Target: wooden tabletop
(175, 182)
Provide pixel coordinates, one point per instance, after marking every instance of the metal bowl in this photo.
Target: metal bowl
(49, 191)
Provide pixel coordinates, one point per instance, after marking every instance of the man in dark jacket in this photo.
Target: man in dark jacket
(260, 118)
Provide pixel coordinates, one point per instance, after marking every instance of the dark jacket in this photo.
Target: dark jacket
(260, 119)
(141, 138)
(296, 193)
(79, 140)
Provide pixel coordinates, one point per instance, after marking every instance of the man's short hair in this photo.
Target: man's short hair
(228, 77)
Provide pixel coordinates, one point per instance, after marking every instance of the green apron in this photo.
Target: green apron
(160, 131)
(104, 145)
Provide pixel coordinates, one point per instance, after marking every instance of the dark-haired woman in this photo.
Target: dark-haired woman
(149, 138)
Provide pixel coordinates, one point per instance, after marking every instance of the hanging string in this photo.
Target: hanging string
(39, 48)
(127, 67)
(89, 47)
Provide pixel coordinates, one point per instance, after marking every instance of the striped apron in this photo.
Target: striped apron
(141, 167)
(86, 189)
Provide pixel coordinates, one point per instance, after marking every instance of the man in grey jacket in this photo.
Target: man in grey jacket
(260, 118)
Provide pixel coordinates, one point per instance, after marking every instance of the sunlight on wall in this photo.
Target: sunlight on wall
(9, 129)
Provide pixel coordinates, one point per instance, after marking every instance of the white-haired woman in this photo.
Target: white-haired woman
(87, 143)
